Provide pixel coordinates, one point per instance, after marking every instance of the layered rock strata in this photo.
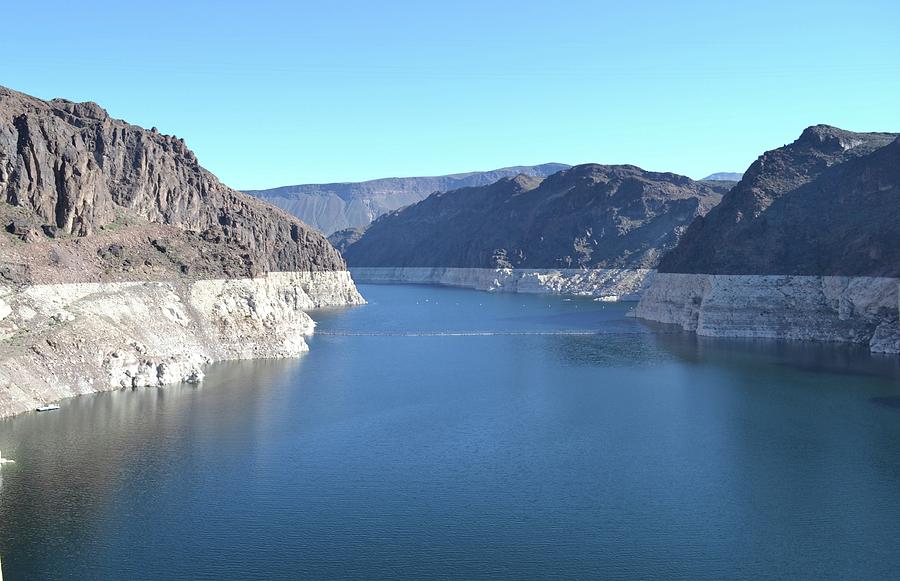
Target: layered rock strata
(804, 247)
(606, 284)
(61, 340)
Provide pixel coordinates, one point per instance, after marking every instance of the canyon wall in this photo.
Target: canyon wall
(124, 263)
(804, 247)
(821, 308)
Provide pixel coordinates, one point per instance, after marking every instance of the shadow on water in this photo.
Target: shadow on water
(811, 356)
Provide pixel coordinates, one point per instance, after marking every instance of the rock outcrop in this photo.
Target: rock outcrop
(68, 169)
(826, 204)
(590, 218)
(804, 247)
(123, 263)
(338, 206)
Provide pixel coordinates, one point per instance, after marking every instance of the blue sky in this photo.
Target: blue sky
(271, 93)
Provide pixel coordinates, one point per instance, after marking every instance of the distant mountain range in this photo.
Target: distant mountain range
(332, 207)
(724, 176)
(587, 216)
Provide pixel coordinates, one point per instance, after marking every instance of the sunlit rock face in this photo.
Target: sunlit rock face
(821, 308)
(607, 283)
(60, 340)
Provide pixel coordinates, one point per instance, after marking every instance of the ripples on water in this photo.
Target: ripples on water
(441, 433)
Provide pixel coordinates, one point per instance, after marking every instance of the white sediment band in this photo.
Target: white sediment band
(608, 283)
(61, 340)
(823, 308)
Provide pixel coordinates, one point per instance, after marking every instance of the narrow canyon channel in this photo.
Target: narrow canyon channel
(455, 434)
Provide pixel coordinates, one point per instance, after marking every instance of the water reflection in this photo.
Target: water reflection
(73, 464)
(812, 356)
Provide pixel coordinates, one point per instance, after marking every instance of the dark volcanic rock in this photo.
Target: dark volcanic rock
(827, 204)
(333, 207)
(344, 238)
(721, 186)
(71, 166)
(18, 228)
(590, 216)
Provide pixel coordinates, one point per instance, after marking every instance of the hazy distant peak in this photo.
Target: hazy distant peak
(725, 176)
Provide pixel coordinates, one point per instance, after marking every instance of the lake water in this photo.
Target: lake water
(453, 434)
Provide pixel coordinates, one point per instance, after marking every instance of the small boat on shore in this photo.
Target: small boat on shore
(48, 407)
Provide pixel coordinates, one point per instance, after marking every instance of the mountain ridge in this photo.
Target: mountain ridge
(330, 207)
(586, 216)
(825, 204)
(71, 175)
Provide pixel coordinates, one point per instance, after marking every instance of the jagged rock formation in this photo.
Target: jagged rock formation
(591, 230)
(804, 247)
(69, 170)
(333, 207)
(125, 263)
(826, 204)
(589, 216)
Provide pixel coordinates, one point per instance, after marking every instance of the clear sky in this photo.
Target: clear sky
(272, 93)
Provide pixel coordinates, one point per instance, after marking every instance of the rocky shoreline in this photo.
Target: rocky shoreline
(851, 309)
(606, 283)
(62, 340)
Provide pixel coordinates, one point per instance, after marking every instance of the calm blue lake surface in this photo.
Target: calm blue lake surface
(452, 434)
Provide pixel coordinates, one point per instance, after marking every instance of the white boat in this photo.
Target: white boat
(48, 407)
(6, 460)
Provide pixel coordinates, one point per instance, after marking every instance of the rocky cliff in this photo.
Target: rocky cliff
(805, 246)
(123, 262)
(603, 219)
(589, 216)
(826, 204)
(333, 207)
(69, 170)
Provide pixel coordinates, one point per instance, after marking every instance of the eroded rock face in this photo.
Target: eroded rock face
(819, 308)
(61, 340)
(804, 247)
(827, 204)
(123, 263)
(589, 216)
(71, 170)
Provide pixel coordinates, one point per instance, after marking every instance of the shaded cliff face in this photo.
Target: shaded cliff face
(333, 207)
(827, 204)
(113, 198)
(589, 216)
